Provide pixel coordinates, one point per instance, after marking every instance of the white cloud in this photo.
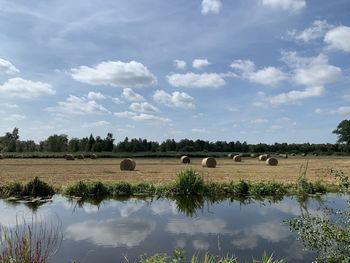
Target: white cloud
(76, 105)
(339, 38)
(96, 124)
(117, 101)
(180, 64)
(317, 30)
(200, 63)
(311, 71)
(6, 67)
(211, 6)
(115, 74)
(269, 76)
(131, 95)
(343, 110)
(15, 117)
(295, 96)
(192, 80)
(143, 107)
(8, 105)
(147, 118)
(259, 121)
(232, 109)
(176, 99)
(95, 96)
(285, 5)
(26, 89)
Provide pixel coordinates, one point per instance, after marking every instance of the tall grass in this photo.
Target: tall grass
(189, 182)
(29, 242)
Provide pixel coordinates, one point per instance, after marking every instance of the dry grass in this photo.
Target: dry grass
(60, 172)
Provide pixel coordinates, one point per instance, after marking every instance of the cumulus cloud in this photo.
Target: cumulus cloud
(339, 38)
(317, 30)
(180, 64)
(200, 63)
(311, 71)
(192, 80)
(147, 118)
(200, 226)
(95, 96)
(144, 107)
(117, 101)
(211, 6)
(131, 95)
(295, 96)
(26, 89)
(285, 5)
(176, 99)
(76, 105)
(269, 76)
(115, 74)
(15, 117)
(6, 67)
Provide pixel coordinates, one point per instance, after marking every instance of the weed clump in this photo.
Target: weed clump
(88, 189)
(189, 182)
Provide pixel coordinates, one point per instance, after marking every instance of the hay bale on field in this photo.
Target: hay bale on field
(263, 157)
(80, 156)
(185, 159)
(127, 165)
(315, 154)
(253, 155)
(209, 162)
(282, 155)
(93, 156)
(292, 154)
(303, 154)
(272, 161)
(69, 157)
(237, 158)
(1, 156)
(230, 155)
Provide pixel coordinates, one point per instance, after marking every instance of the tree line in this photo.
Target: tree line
(10, 142)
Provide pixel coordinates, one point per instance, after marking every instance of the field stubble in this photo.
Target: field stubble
(60, 172)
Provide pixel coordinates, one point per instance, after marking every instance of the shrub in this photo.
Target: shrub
(36, 187)
(242, 188)
(122, 188)
(267, 189)
(189, 182)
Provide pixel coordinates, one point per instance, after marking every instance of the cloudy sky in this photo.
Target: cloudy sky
(249, 70)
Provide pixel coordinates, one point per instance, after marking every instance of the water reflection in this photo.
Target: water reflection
(111, 232)
(106, 230)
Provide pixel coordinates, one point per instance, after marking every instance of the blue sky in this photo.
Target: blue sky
(249, 70)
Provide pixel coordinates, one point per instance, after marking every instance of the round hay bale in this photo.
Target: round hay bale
(93, 156)
(1, 156)
(253, 155)
(230, 155)
(185, 159)
(303, 154)
(127, 165)
(69, 157)
(80, 156)
(282, 155)
(315, 154)
(237, 158)
(293, 154)
(272, 161)
(209, 162)
(263, 157)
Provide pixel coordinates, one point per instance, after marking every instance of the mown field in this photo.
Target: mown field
(59, 172)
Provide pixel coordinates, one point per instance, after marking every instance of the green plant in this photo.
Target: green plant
(242, 188)
(36, 187)
(189, 182)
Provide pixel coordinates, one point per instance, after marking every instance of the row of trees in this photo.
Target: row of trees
(61, 143)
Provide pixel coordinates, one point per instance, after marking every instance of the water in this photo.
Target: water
(110, 230)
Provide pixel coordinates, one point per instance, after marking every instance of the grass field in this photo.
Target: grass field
(60, 172)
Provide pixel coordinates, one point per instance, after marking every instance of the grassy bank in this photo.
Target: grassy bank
(188, 183)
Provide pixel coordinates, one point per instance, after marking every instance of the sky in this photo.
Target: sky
(249, 70)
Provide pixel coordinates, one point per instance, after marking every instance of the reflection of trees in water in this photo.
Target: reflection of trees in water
(326, 232)
(33, 204)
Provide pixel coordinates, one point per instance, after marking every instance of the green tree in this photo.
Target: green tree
(343, 132)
